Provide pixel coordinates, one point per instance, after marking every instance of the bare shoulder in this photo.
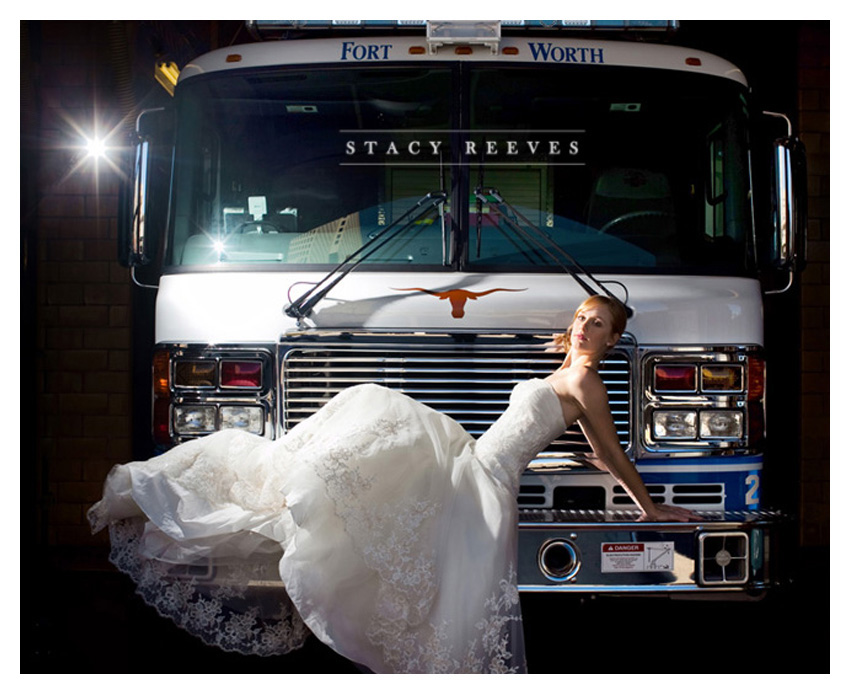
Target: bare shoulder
(578, 383)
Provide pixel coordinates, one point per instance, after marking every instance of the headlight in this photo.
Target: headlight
(194, 419)
(726, 425)
(690, 425)
(248, 419)
(674, 424)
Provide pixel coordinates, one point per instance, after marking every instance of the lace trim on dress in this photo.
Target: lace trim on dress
(392, 538)
(503, 621)
(236, 608)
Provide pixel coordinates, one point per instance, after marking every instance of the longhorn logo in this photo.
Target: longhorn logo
(457, 297)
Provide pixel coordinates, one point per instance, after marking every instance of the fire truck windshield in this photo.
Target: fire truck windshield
(627, 169)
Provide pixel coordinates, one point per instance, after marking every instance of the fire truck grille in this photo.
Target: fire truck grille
(469, 379)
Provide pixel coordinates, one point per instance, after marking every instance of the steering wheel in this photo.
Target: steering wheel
(261, 227)
(633, 215)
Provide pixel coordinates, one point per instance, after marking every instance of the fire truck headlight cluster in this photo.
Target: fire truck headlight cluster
(704, 400)
(691, 425)
(201, 392)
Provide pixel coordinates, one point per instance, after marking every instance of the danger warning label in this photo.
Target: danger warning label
(626, 557)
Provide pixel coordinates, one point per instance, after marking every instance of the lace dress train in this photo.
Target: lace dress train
(392, 530)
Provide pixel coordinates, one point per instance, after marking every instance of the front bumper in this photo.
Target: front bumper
(735, 553)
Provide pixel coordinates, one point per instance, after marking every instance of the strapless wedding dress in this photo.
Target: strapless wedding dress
(393, 531)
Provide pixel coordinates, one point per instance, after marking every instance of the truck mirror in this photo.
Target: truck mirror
(789, 204)
(143, 199)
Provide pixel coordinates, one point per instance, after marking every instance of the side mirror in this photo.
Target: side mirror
(143, 200)
(783, 239)
(789, 204)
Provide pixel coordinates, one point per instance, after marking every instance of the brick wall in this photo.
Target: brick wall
(813, 80)
(82, 296)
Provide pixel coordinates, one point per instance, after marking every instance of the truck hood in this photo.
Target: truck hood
(248, 307)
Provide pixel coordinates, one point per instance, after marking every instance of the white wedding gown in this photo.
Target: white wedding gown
(393, 531)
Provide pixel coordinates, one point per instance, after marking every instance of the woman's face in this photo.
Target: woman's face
(592, 330)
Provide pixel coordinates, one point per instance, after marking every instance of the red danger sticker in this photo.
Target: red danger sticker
(628, 557)
(633, 547)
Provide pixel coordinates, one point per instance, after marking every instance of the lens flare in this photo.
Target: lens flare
(96, 148)
(93, 148)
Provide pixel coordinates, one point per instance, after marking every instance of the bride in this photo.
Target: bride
(393, 531)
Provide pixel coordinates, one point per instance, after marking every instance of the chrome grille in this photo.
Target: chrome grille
(469, 378)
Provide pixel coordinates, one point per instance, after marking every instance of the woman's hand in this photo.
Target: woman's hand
(665, 513)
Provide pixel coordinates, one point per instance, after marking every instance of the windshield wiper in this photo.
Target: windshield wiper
(303, 305)
(544, 243)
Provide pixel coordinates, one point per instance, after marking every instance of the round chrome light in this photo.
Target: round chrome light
(559, 559)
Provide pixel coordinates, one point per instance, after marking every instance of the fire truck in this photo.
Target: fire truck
(423, 205)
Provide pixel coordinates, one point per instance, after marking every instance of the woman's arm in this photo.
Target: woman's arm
(598, 426)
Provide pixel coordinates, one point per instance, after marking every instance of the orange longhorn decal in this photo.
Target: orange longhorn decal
(457, 297)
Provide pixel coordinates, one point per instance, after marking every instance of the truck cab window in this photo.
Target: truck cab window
(300, 167)
(618, 173)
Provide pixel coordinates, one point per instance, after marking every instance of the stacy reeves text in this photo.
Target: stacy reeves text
(512, 149)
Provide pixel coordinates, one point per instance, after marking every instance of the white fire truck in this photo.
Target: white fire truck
(424, 204)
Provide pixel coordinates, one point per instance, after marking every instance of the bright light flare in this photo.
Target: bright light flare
(96, 148)
(93, 149)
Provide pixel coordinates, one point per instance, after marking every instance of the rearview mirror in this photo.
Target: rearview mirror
(144, 199)
(789, 221)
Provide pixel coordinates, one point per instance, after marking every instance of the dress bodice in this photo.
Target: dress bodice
(534, 418)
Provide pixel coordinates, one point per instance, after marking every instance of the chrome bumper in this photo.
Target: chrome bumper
(611, 552)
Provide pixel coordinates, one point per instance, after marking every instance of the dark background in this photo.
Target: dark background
(86, 333)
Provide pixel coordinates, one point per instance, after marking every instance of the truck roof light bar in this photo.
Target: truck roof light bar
(464, 33)
(282, 28)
